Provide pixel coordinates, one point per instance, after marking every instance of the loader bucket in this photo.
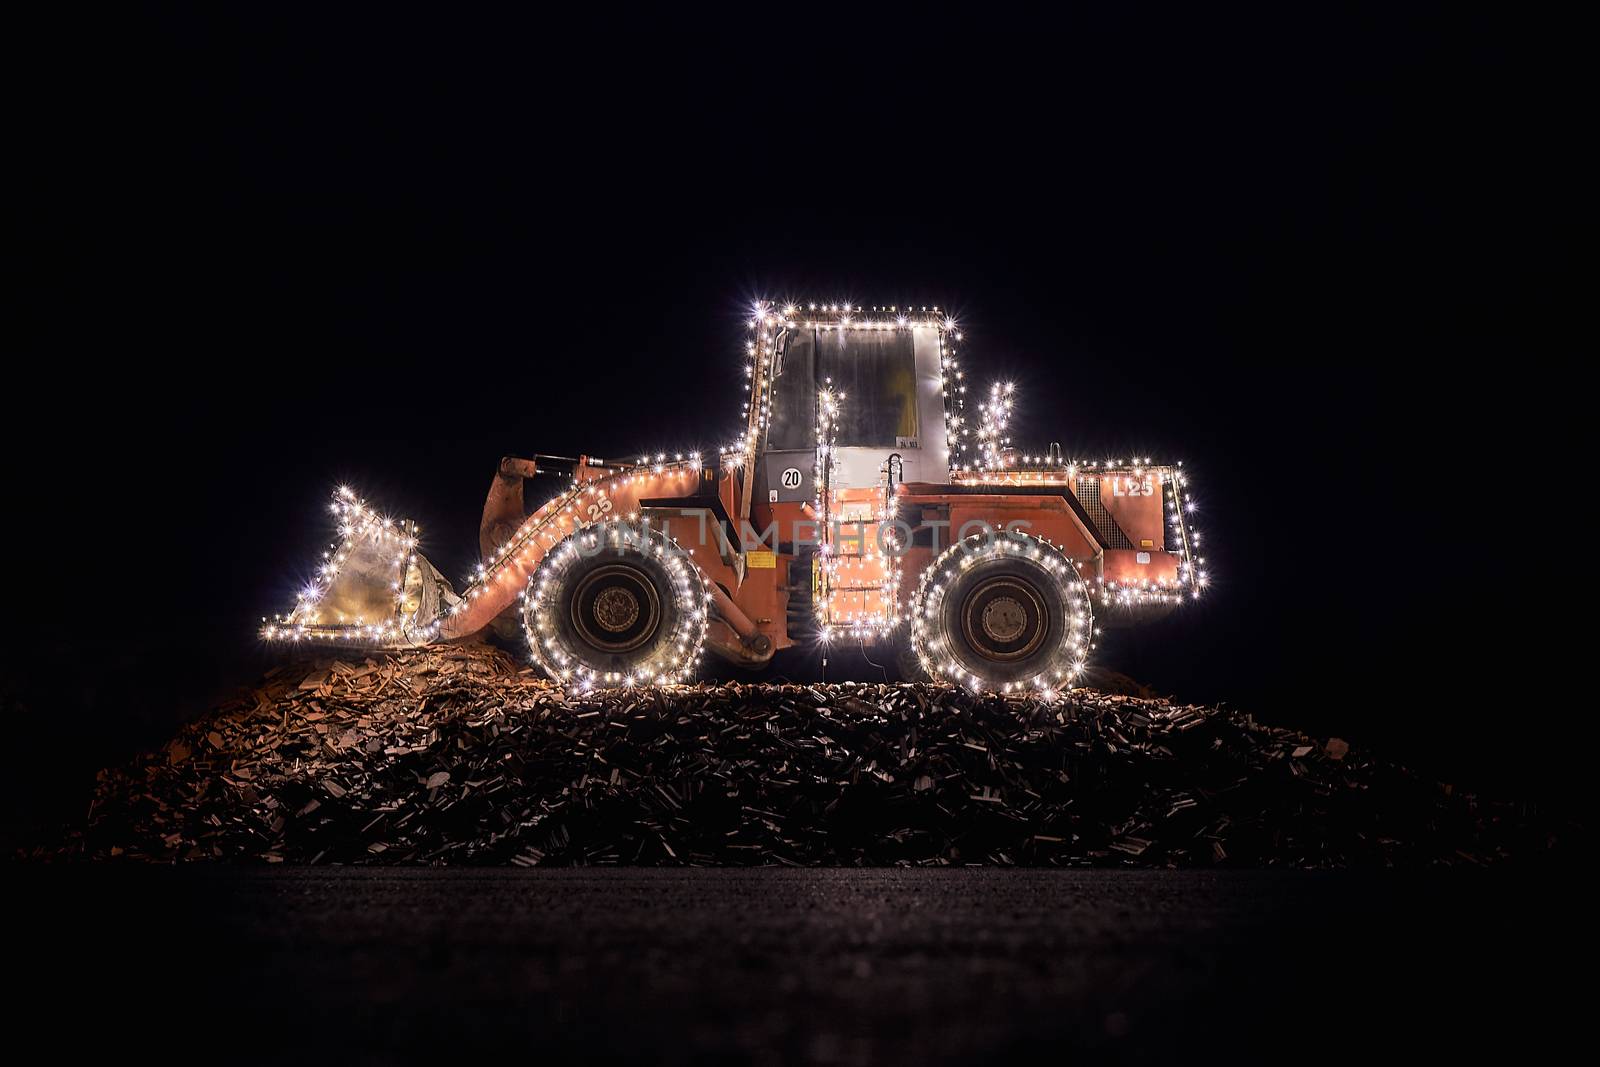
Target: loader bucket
(372, 586)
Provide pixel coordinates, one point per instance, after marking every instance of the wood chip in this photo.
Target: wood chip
(458, 754)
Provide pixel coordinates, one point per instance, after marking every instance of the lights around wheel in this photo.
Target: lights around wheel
(555, 651)
(931, 640)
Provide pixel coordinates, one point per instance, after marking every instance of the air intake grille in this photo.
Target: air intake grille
(1110, 532)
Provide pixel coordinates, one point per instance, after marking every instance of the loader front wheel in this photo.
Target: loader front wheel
(616, 605)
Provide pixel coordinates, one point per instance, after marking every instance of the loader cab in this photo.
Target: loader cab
(887, 373)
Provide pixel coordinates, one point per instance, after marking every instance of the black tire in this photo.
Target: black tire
(615, 605)
(905, 662)
(1002, 613)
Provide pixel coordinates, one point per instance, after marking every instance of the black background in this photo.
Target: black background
(1315, 257)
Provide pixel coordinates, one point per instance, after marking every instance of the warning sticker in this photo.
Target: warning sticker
(761, 560)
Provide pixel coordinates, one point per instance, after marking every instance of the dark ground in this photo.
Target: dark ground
(822, 966)
(460, 755)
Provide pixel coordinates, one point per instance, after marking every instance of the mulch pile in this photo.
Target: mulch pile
(459, 755)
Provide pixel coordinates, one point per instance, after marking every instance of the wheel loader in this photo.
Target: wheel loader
(863, 503)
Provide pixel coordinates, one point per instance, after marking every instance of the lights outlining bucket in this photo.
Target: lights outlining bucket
(371, 587)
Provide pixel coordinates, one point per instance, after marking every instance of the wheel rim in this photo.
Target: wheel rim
(1004, 619)
(616, 608)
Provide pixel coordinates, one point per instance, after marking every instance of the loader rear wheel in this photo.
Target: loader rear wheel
(1003, 612)
(905, 663)
(616, 605)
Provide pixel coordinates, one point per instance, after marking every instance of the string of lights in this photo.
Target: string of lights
(932, 641)
(822, 505)
(999, 466)
(676, 655)
(390, 544)
(581, 504)
(1170, 480)
(994, 417)
(766, 321)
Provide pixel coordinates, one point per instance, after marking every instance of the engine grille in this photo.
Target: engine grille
(1110, 532)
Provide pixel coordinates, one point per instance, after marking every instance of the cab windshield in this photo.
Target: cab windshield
(875, 370)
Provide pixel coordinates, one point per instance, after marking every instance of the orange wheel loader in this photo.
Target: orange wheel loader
(860, 503)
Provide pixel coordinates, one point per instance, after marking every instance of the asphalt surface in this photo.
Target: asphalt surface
(789, 966)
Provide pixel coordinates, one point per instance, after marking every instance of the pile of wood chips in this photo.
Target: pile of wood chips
(459, 755)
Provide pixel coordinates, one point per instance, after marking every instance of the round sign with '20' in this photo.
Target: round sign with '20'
(790, 478)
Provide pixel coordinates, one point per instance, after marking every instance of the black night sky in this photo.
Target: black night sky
(1294, 253)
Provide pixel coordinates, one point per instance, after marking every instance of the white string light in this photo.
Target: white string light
(562, 661)
(1182, 539)
(391, 543)
(994, 417)
(930, 639)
